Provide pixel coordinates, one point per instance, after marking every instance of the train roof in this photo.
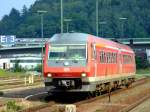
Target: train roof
(68, 38)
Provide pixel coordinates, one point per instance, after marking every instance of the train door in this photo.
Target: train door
(101, 62)
(120, 62)
(95, 60)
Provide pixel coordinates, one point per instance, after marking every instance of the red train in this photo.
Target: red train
(78, 62)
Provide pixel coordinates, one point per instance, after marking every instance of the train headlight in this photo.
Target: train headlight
(49, 75)
(83, 74)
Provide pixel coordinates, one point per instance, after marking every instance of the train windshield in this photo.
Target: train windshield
(67, 52)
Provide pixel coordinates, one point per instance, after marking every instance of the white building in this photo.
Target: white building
(148, 54)
(5, 64)
(29, 62)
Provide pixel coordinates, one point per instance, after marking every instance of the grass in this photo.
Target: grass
(11, 106)
(4, 73)
(99, 110)
(143, 71)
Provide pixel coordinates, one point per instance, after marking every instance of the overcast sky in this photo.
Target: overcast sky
(7, 5)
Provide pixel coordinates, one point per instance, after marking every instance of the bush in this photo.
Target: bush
(11, 106)
(17, 67)
(38, 68)
(1, 93)
(141, 63)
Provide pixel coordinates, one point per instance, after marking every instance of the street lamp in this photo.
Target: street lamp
(97, 7)
(102, 23)
(123, 19)
(67, 22)
(42, 12)
(62, 25)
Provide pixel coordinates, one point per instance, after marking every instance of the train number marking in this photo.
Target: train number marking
(66, 69)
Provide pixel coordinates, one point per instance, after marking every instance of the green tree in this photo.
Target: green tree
(27, 22)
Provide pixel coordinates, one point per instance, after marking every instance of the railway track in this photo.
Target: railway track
(16, 83)
(137, 83)
(51, 105)
(119, 105)
(134, 105)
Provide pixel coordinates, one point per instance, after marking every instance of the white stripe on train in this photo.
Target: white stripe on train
(108, 77)
(119, 49)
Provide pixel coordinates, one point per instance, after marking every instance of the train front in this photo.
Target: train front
(65, 63)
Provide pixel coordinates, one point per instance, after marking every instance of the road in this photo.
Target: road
(18, 93)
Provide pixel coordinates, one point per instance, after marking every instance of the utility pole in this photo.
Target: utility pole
(42, 12)
(62, 30)
(101, 26)
(67, 22)
(97, 18)
(122, 25)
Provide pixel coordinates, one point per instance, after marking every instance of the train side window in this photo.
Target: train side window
(104, 57)
(100, 56)
(124, 59)
(109, 54)
(108, 57)
(93, 51)
(127, 59)
(113, 57)
(131, 59)
(117, 55)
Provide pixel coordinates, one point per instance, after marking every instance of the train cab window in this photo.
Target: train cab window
(67, 52)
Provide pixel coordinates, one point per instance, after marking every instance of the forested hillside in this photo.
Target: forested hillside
(82, 12)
